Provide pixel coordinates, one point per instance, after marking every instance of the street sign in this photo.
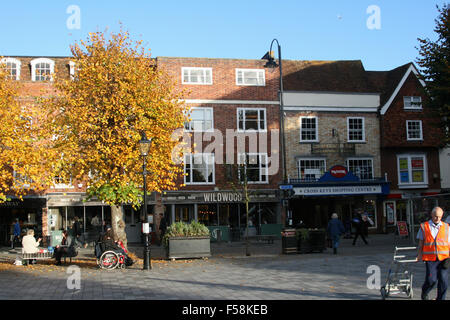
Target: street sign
(286, 186)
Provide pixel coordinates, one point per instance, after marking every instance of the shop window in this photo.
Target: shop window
(250, 77)
(251, 119)
(310, 169)
(201, 120)
(207, 214)
(362, 168)
(412, 170)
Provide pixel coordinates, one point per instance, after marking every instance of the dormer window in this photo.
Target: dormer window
(412, 103)
(12, 68)
(42, 69)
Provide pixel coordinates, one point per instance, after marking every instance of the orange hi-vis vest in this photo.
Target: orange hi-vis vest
(437, 247)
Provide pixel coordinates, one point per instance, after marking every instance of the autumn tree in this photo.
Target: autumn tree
(435, 63)
(24, 153)
(97, 118)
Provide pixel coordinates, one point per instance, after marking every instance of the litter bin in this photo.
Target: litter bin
(288, 241)
(317, 240)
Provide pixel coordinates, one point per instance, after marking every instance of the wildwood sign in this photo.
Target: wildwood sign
(222, 197)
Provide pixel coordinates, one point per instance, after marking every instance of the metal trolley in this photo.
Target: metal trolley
(400, 278)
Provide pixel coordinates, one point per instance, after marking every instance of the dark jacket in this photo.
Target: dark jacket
(335, 227)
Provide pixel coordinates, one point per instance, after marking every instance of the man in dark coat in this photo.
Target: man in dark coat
(335, 229)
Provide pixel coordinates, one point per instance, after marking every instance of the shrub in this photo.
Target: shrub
(182, 229)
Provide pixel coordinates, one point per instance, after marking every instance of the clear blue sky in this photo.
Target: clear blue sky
(243, 29)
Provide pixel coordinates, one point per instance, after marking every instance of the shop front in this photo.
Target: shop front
(224, 212)
(28, 211)
(312, 202)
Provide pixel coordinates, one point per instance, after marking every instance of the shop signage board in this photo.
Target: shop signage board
(337, 190)
(402, 228)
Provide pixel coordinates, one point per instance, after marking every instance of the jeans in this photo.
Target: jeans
(335, 240)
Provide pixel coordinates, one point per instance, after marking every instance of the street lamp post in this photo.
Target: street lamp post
(271, 64)
(144, 148)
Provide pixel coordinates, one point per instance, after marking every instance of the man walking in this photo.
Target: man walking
(434, 246)
(16, 233)
(335, 228)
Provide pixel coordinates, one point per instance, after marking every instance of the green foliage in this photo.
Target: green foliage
(434, 61)
(302, 234)
(115, 195)
(182, 229)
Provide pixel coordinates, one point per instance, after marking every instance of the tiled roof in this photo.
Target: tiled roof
(340, 76)
(334, 76)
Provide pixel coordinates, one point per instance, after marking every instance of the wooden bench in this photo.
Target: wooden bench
(269, 238)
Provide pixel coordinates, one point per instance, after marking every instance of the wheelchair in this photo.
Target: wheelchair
(110, 256)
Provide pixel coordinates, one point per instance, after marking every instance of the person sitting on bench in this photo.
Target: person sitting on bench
(29, 244)
(67, 248)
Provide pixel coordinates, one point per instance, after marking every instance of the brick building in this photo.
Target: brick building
(333, 138)
(232, 101)
(410, 140)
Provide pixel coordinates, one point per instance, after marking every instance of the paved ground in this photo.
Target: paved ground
(228, 275)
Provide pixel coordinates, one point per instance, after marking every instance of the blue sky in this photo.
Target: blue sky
(243, 29)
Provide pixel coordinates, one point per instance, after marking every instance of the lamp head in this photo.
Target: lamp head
(144, 145)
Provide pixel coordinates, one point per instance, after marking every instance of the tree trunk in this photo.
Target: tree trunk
(118, 225)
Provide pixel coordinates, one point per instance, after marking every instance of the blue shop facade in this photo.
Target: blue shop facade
(310, 203)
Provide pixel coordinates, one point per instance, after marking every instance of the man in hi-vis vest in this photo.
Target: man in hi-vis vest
(434, 246)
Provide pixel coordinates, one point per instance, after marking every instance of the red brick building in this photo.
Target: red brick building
(410, 140)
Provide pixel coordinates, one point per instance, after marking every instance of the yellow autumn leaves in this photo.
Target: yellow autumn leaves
(88, 131)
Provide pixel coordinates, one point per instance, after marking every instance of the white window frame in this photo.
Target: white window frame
(34, 62)
(57, 185)
(410, 104)
(263, 166)
(204, 160)
(360, 159)
(363, 129)
(258, 79)
(16, 62)
(317, 174)
(316, 129)
(408, 132)
(205, 109)
(410, 183)
(244, 119)
(25, 180)
(188, 69)
(72, 70)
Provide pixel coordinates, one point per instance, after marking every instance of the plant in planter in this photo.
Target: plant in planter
(302, 236)
(184, 240)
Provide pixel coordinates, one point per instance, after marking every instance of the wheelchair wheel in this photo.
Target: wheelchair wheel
(109, 260)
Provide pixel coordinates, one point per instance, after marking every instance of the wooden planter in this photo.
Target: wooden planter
(189, 247)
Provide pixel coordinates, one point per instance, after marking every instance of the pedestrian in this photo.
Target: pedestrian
(359, 228)
(366, 222)
(162, 227)
(16, 233)
(65, 248)
(433, 249)
(77, 234)
(335, 229)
